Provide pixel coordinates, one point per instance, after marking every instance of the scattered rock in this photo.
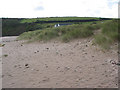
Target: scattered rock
(46, 79)
(19, 66)
(118, 52)
(86, 45)
(47, 48)
(75, 70)
(60, 54)
(12, 83)
(15, 66)
(26, 65)
(10, 75)
(67, 68)
(21, 45)
(37, 51)
(76, 45)
(37, 70)
(85, 53)
(46, 66)
(58, 67)
(93, 56)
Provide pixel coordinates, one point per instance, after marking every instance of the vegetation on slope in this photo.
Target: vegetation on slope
(57, 19)
(46, 31)
(16, 26)
(65, 33)
(108, 35)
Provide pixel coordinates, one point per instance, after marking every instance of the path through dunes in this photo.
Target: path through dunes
(76, 64)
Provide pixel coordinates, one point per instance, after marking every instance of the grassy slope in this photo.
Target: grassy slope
(108, 35)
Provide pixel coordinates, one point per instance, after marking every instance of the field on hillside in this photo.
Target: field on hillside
(16, 26)
(58, 19)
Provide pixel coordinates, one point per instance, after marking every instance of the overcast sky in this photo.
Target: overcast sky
(52, 8)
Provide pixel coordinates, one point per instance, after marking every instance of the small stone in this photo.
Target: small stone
(12, 83)
(26, 64)
(46, 66)
(10, 75)
(15, 66)
(37, 51)
(47, 48)
(58, 67)
(67, 68)
(93, 56)
(37, 70)
(118, 52)
(86, 45)
(60, 54)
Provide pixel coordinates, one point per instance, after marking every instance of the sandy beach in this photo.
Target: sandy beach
(76, 64)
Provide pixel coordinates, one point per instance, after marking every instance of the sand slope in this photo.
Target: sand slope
(76, 64)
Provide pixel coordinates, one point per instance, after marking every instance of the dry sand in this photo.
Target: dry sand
(76, 64)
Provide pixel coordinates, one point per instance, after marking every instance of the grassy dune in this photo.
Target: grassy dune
(107, 36)
(65, 33)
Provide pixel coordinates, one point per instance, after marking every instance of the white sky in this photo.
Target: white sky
(50, 8)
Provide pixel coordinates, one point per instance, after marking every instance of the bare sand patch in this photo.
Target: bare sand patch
(76, 64)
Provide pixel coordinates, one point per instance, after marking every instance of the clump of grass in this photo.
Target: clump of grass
(5, 55)
(77, 33)
(102, 41)
(2, 45)
(108, 35)
(29, 35)
(46, 35)
(110, 29)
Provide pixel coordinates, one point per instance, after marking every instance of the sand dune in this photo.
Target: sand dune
(77, 64)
